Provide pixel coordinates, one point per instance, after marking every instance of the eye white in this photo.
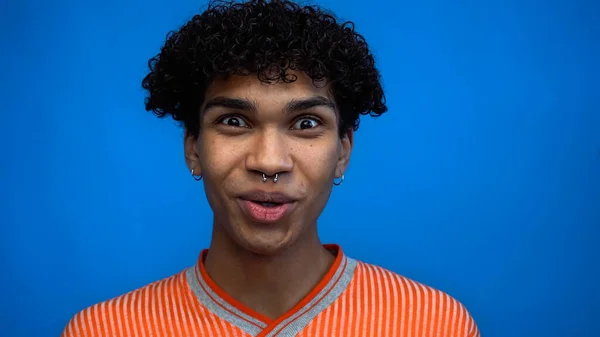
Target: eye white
(310, 122)
(234, 121)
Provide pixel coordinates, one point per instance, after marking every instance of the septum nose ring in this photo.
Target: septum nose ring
(275, 178)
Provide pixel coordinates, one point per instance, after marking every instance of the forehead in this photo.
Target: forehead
(250, 87)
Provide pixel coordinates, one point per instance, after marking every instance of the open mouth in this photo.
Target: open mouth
(266, 212)
(267, 204)
(266, 207)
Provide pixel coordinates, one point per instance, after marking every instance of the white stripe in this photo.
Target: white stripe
(381, 306)
(327, 320)
(394, 315)
(85, 320)
(439, 313)
(194, 321)
(224, 326)
(471, 322)
(411, 307)
(160, 305)
(119, 324)
(454, 314)
(187, 325)
(351, 318)
(126, 315)
(169, 305)
(319, 322)
(449, 303)
(464, 327)
(111, 317)
(363, 318)
(205, 323)
(77, 325)
(418, 306)
(154, 308)
(215, 324)
(371, 304)
(426, 305)
(333, 313)
(68, 331)
(450, 322)
(176, 321)
(403, 297)
(431, 295)
(139, 313)
(98, 317)
(355, 307)
(343, 323)
(387, 302)
(131, 311)
(461, 320)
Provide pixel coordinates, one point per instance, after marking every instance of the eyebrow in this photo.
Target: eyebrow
(249, 106)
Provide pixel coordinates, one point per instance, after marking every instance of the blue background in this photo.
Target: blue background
(482, 181)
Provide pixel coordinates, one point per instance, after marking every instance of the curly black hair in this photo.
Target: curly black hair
(264, 38)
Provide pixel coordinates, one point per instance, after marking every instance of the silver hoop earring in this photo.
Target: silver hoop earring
(338, 183)
(197, 178)
(264, 177)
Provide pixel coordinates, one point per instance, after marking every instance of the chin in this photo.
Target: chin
(265, 242)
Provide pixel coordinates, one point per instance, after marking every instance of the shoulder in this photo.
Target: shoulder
(127, 311)
(419, 306)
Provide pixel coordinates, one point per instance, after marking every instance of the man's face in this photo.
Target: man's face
(248, 129)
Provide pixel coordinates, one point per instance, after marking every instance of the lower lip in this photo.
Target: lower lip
(261, 213)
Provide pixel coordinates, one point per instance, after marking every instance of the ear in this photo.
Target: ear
(347, 142)
(192, 158)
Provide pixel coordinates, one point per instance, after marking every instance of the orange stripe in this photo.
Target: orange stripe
(410, 304)
(452, 316)
(428, 321)
(382, 303)
(335, 318)
(342, 315)
(194, 307)
(167, 297)
(182, 313)
(461, 319)
(463, 322)
(394, 305)
(369, 303)
(93, 321)
(112, 318)
(354, 307)
(423, 301)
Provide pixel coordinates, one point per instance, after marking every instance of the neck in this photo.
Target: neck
(269, 285)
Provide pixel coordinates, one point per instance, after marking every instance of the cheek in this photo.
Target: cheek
(318, 161)
(218, 157)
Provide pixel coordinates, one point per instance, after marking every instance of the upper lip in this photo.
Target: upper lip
(263, 196)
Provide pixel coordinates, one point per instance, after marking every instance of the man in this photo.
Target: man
(270, 95)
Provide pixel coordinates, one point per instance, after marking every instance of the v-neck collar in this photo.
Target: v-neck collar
(227, 308)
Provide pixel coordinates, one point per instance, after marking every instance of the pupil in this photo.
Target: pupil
(234, 122)
(305, 124)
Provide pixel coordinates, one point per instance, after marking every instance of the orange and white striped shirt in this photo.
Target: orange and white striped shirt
(354, 299)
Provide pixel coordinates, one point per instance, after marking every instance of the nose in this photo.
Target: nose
(269, 154)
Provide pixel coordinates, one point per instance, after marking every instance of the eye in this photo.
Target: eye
(305, 123)
(233, 121)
